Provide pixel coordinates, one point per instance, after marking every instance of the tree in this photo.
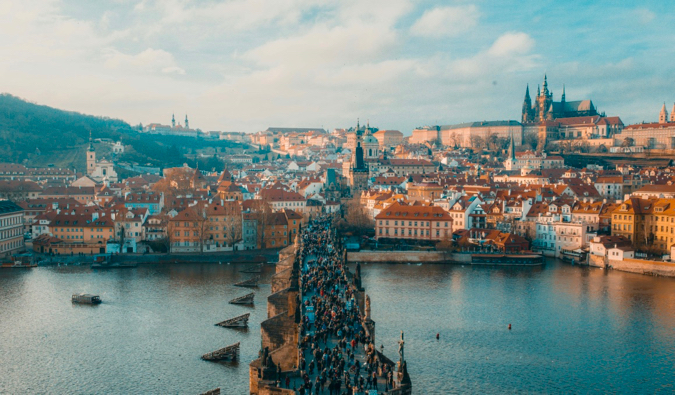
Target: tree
(491, 141)
(233, 225)
(477, 142)
(531, 140)
(357, 217)
(446, 246)
(454, 139)
(602, 149)
(628, 142)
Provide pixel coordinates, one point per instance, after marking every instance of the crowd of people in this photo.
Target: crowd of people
(336, 352)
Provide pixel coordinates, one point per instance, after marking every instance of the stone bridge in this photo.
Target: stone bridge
(280, 332)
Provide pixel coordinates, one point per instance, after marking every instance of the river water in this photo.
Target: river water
(574, 329)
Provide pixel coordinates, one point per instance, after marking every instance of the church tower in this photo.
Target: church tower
(663, 116)
(528, 111)
(358, 171)
(510, 163)
(173, 121)
(544, 101)
(672, 114)
(91, 157)
(187, 124)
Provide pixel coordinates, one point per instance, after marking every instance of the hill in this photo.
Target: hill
(38, 135)
(28, 129)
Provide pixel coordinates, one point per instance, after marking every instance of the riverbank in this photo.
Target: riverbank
(639, 266)
(440, 257)
(256, 256)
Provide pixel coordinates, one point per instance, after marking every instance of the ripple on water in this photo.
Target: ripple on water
(574, 329)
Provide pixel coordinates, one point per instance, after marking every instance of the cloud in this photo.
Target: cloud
(446, 21)
(513, 43)
(643, 15)
(323, 45)
(149, 61)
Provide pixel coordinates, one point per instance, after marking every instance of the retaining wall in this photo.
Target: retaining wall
(407, 257)
(640, 266)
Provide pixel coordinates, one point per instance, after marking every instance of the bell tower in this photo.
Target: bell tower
(91, 157)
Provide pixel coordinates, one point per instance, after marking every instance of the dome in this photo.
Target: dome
(370, 139)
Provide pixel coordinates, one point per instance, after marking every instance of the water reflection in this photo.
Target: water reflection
(574, 329)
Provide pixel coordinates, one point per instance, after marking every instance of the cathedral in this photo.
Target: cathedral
(545, 109)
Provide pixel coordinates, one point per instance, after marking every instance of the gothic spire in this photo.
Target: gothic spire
(562, 99)
(512, 149)
(544, 87)
(527, 93)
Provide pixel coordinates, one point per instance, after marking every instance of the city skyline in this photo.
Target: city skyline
(244, 66)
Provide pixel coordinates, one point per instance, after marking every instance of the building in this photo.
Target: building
(407, 167)
(429, 191)
(545, 109)
(173, 130)
(399, 221)
(654, 135)
(99, 171)
(11, 228)
(153, 201)
(185, 231)
(223, 230)
(632, 219)
(279, 199)
(388, 139)
(19, 190)
(529, 160)
(467, 134)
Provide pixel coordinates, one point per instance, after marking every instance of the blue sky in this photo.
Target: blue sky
(247, 65)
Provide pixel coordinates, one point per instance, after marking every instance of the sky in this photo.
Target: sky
(399, 64)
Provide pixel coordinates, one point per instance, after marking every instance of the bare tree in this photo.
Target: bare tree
(477, 142)
(233, 225)
(357, 217)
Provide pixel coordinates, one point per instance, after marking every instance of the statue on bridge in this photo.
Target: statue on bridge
(367, 317)
(401, 344)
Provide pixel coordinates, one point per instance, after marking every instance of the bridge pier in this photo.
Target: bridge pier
(283, 350)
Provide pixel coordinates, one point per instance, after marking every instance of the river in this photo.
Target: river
(574, 329)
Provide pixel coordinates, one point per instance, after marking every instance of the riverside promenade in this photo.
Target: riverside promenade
(319, 337)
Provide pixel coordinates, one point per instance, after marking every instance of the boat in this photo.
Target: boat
(246, 299)
(508, 259)
(113, 265)
(251, 282)
(255, 269)
(236, 322)
(18, 265)
(86, 299)
(229, 353)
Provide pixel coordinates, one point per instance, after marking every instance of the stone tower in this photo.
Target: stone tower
(91, 157)
(672, 114)
(663, 116)
(358, 171)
